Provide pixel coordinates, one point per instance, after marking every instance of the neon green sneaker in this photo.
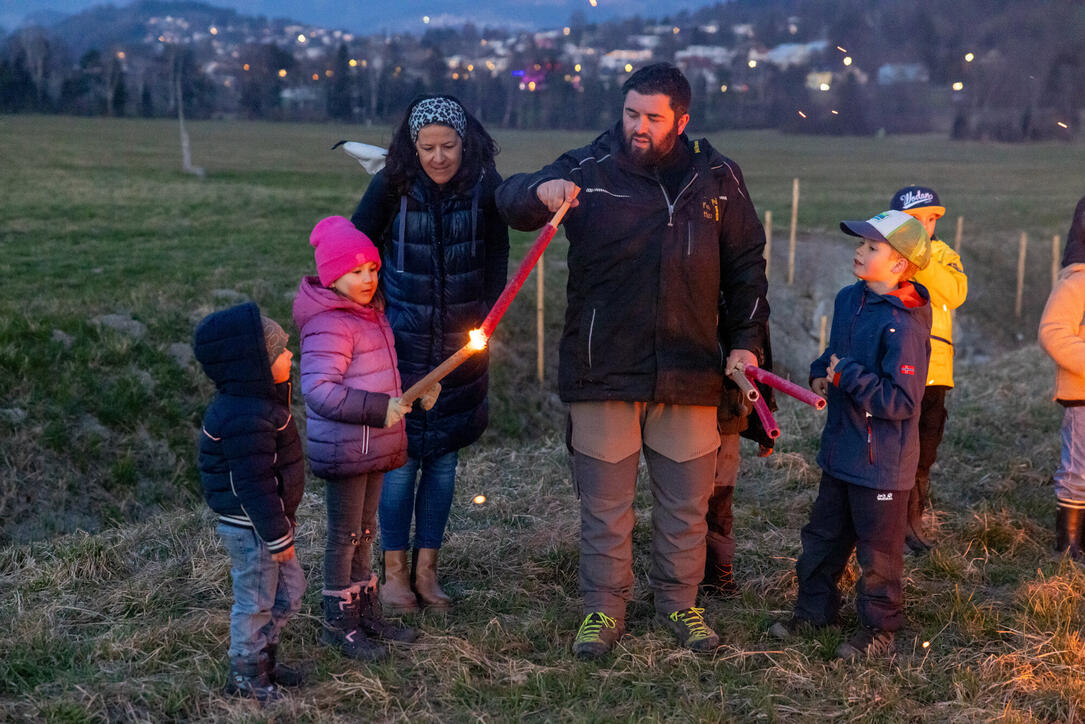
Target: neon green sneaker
(597, 636)
(690, 628)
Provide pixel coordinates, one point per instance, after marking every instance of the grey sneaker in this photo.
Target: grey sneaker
(597, 636)
(866, 642)
(690, 628)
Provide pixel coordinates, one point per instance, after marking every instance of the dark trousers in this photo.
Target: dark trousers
(932, 423)
(352, 519)
(720, 519)
(871, 522)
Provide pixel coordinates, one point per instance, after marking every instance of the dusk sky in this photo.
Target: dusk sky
(367, 16)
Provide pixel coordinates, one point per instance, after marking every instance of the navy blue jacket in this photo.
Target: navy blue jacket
(871, 435)
(444, 259)
(656, 278)
(250, 457)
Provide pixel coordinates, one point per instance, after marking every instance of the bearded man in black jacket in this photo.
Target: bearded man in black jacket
(666, 269)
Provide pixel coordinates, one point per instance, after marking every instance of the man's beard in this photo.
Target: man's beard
(653, 154)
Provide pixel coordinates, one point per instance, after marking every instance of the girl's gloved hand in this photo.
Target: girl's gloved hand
(396, 411)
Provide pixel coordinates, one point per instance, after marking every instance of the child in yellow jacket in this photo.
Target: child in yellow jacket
(1062, 335)
(945, 279)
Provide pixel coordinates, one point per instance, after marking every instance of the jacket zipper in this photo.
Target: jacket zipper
(689, 238)
(869, 439)
(591, 330)
(670, 206)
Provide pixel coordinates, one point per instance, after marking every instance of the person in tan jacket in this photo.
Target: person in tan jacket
(947, 283)
(1062, 335)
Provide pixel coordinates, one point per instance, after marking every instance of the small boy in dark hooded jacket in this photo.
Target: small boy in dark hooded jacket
(873, 374)
(253, 474)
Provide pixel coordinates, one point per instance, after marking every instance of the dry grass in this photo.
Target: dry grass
(130, 622)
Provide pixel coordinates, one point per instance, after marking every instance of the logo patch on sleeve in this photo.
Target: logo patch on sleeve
(907, 369)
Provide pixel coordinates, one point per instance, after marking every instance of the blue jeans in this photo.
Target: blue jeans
(430, 506)
(1070, 475)
(266, 593)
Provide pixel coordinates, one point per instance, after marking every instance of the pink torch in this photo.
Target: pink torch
(479, 337)
(786, 386)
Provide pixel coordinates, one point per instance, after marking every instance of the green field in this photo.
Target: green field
(129, 621)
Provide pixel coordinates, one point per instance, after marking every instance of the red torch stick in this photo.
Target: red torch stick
(768, 422)
(479, 337)
(786, 386)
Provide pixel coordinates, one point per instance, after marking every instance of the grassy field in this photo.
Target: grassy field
(129, 621)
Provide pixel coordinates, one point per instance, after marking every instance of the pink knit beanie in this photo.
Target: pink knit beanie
(340, 248)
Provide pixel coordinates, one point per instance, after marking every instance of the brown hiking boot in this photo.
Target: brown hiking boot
(690, 628)
(597, 636)
(396, 595)
(425, 580)
(865, 643)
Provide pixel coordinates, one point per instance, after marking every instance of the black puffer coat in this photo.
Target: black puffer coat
(655, 282)
(444, 258)
(250, 457)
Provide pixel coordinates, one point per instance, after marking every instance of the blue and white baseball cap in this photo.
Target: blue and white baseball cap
(914, 198)
(901, 231)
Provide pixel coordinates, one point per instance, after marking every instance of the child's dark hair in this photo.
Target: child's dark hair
(402, 167)
(665, 79)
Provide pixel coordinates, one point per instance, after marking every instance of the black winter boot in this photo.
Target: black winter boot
(282, 674)
(1069, 522)
(372, 622)
(342, 631)
(915, 537)
(250, 678)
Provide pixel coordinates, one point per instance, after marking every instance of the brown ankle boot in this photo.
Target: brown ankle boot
(396, 596)
(425, 580)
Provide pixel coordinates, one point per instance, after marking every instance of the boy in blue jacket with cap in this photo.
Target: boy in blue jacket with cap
(873, 374)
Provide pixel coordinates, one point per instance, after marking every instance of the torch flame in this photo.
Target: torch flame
(478, 339)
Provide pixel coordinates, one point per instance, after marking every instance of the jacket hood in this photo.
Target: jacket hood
(230, 347)
(313, 298)
(1075, 239)
(906, 300)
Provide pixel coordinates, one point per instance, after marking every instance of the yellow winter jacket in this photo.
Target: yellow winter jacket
(1062, 334)
(945, 279)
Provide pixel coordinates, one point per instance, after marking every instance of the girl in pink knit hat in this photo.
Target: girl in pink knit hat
(354, 426)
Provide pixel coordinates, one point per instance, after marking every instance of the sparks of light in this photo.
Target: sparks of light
(926, 644)
(969, 57)
(1063, 125)
(842, 50)
(848, 60)
(835, 112)
(958, 86)
(478, 499)
(478, 339)
(801, 114)
(752, 63)
(593, 3)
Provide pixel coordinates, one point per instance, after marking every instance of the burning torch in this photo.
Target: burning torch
(479, 337)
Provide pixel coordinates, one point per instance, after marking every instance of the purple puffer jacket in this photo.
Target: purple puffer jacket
(348, 374)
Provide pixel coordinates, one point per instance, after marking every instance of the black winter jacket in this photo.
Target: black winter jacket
(444, 259)
(655, 283)
(250, 456)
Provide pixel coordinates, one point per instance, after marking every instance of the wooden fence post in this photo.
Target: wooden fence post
(768, 243)
(794, 223)
(540, 306)
(821, 334)
(960, 230)
(1021, 253)
(1055, 260)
